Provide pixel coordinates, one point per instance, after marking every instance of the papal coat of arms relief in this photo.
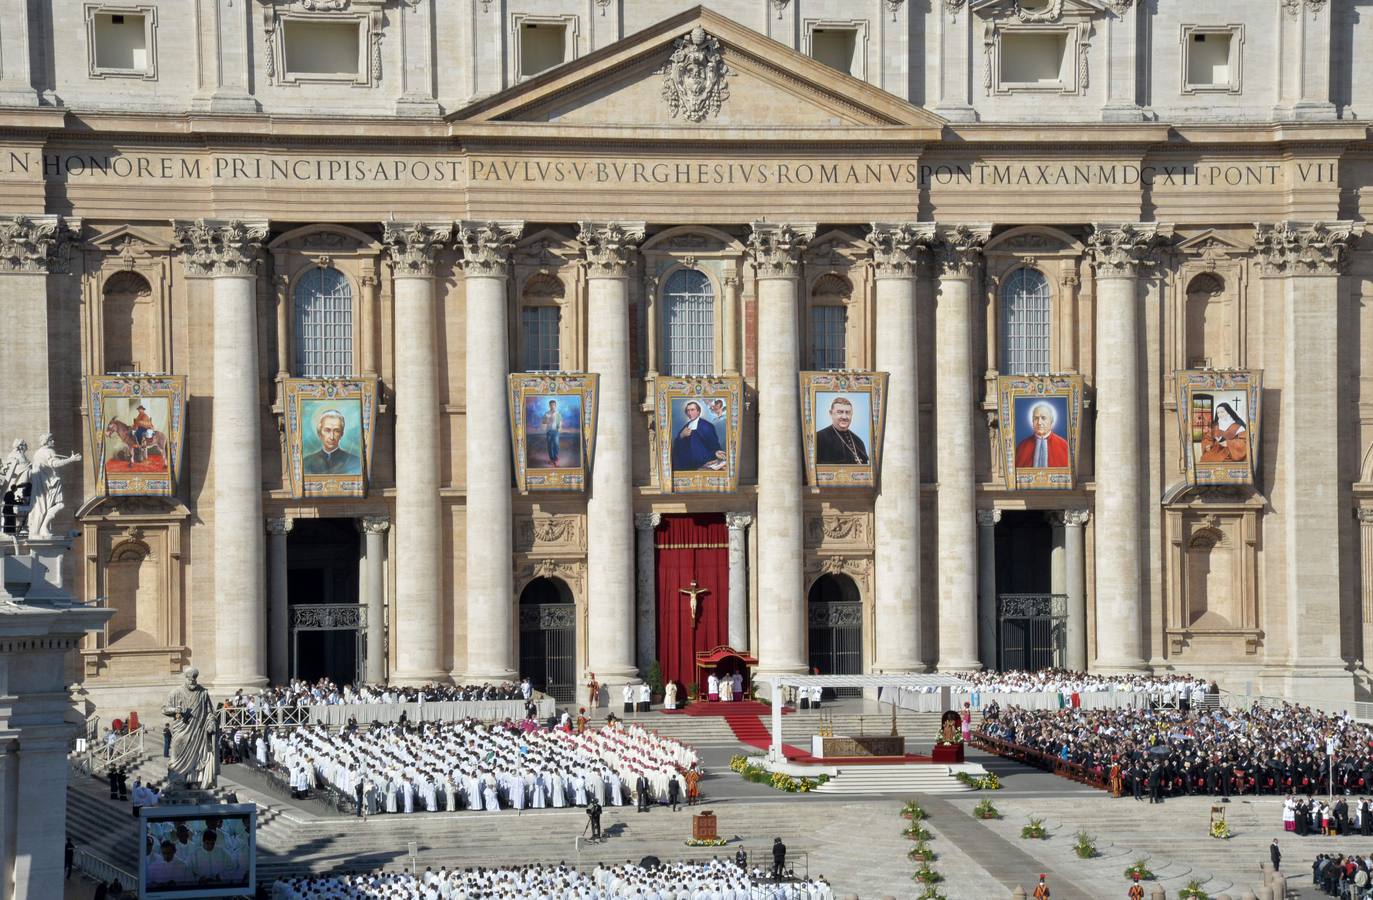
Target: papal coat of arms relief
(694, 77)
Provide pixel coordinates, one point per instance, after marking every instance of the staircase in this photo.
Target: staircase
(878, 779)
(920, 728)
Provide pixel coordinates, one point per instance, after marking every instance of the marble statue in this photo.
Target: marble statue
(46, 487)
(194, 759)
(14, 488)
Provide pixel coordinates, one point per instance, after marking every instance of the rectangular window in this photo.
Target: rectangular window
(543, 45)
(835, 47)
(540, 333)
(828, 337)
(1035, 59)
(691, 335)
(1211, 58)
(324, 50)
(121, 41)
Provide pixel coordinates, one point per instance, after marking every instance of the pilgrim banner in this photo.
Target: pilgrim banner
(1041, 428)
(136, 425)
(842, 417)
(553, 430)
(699, 422)
(329, 426)
(1218, 419)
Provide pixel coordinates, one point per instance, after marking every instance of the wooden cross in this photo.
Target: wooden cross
(694, 591)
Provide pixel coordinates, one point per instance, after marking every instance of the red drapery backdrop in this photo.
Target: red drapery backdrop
(691, 547)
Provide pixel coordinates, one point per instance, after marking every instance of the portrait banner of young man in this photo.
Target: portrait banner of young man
(1219, 419)
(1041, 427)
(700, 420)
(553, 429)
(329, 426)
(135, 425)
(842, 419)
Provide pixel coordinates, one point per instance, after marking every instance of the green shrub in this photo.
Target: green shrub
(1034, 830)
(1084, 846)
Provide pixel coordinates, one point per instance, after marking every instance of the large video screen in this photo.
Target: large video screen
(197, 851)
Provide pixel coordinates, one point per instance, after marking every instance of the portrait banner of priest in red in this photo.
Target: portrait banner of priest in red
(692, 553)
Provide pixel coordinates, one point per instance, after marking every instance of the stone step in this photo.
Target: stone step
(896, 779)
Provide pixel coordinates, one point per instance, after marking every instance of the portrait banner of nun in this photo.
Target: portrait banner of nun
(1040, 430)
(699, 421)
(1218, 419)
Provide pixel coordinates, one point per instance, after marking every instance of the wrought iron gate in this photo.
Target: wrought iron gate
(1031, 631)
(836, 640)
(548, 648)
(331, 617)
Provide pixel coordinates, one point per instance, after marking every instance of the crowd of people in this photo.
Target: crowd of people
(1180, 688)
(718, 878)
(326, 693)
(1162, 752)
(1343, 876)
(470, 765)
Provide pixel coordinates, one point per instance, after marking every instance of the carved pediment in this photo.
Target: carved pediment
(1039, 12)
(107, 509)
(1211, 244)
(546, 250)
(127, 240)
(699, 70)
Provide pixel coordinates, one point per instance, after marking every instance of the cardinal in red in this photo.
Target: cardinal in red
(1043, 449)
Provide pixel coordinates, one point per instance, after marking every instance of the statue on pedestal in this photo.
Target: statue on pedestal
(46, 487)
(15, 488)
(194, 757)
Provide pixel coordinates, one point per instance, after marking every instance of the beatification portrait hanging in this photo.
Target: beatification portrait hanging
(329, 424)
(699, 421)
(136, 425)
(842, 418)
(1218, 418)
(553, 430)
(1041, 428)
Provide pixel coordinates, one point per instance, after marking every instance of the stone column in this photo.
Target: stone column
(227, 252)
(418, 606)
(1075, 585)
(1309, 258)
(733, 333)
(490, 603)
(646, 612)
(279, 638)
(986, 586)
(738, 579)
(775, 251)
(896, 509)
(38, 838)
(1118, 254)
(1365, 516)
(610, 253)
(960, 264)
(374, 530)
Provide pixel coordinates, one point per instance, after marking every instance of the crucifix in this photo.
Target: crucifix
(694, 591)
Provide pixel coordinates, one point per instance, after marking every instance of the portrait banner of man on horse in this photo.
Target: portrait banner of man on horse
(136, 427)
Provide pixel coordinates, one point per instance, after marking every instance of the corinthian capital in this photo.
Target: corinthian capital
(896, 248)
(373, 524)
(959, 250)
(36, 244)
(1123, 251)
(609, 246)
(486, 246)
(776, 248)
(218, 247)
(414, 246)
(1305, 248)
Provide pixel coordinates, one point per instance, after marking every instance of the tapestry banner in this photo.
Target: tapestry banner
(1218, 419)
(700, 418)
(137, 424)
(553, 429)
(1041, 429)
(842, 417)
(329, 426)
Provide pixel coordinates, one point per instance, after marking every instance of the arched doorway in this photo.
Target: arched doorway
(548, 638)
(836, 629)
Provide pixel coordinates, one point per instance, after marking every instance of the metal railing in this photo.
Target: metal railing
(99, 870)
(239, 718)
(126, 750)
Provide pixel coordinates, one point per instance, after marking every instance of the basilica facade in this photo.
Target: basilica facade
(458, 339)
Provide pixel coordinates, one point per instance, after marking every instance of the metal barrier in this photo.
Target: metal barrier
(100, 870)
(241, 718)
(126, 750)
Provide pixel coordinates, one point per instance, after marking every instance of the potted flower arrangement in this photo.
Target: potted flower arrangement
(921, 853)
(1035, 830)
(917, 832)
(1084, 846)
(1220, 830)
(913, 811)
(985, 810)
(926, 875)
(1139, 869)
(1193, 891)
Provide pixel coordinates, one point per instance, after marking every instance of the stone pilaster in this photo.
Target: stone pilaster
(279, 602)
(775, 251)
(986, 586)
(491, 652)
(1075, 585)
(611, 250)
(897, 249)
(227, 251)
(646, 610)
(1365, 517)
(1118, 253)
(738, 579)
(413, 249)
(1308, 258)
(374, 530)
(958, 255)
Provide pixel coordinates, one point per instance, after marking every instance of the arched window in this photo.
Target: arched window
(129, 324)
(324, 324)
(829, 322)
(541, 324)
(1025, 323)
(690, 323)
(1209, 325)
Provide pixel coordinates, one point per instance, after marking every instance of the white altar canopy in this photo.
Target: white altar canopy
(931, 683)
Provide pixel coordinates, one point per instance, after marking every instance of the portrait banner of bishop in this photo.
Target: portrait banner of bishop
(553, 429)
(1041, 428)
(1218, 418)
(700, 418)
(842, 418)
(136, 427)
(329, 426)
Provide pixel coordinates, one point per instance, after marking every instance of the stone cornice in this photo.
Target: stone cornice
(775, 248)
(414, 246)
(1124, 250)
(1305, 248)
(36, 244)
(958, 250)
(220, 247)
(610, 247)
(486, 246)
(896, 249)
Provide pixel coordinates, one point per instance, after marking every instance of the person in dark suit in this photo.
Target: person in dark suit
(593, 812)
(674, 793)
(1275, 855)
(779, 857)
(641, 791)
(837, 444)
(330, 458)
(696, 445)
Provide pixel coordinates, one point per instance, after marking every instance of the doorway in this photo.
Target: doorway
(548, 638)
(835, 617)
(323, 557)
(1031, 620)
